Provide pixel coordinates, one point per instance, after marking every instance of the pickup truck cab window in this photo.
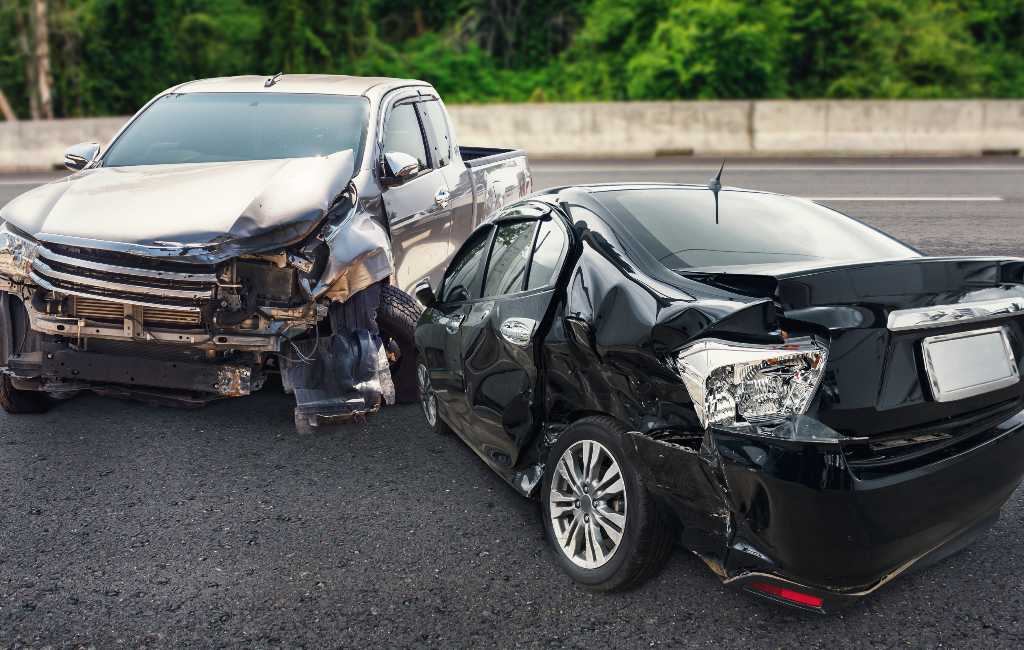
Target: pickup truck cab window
(437, 127)
(403, 134)
(235, 127)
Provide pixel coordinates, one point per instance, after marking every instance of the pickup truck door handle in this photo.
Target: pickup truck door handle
(442, 198)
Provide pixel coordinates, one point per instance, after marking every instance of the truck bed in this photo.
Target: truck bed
(479, 156)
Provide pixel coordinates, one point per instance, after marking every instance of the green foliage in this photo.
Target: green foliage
(111, 56)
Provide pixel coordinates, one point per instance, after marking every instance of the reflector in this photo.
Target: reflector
(787, 594)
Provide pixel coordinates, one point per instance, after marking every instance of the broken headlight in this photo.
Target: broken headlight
(16, 253)
(735, 385)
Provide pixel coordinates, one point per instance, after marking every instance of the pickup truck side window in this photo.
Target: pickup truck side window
(547, 254)
(461, 281)
(438, 126)
(404, 134)
(506, 270)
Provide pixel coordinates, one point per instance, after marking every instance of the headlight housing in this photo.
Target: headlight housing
(736, 385)
(16, 253)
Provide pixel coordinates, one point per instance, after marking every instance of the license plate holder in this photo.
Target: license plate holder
(969, 363)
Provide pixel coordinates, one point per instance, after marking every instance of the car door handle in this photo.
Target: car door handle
(518, 331)
(442, 198)
(452, 323)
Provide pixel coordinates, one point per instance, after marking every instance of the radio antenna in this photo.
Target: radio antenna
(715, 185)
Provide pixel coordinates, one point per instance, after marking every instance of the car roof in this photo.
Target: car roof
(555, 194)
(323, 84)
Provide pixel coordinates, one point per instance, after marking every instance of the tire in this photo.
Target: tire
(396, 318)
(428, 401)
(12, 400)
(21, 402)
(645, 536)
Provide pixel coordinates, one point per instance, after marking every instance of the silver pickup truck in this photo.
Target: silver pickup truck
(238, 228)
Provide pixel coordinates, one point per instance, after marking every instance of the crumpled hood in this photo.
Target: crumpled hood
(190, 204)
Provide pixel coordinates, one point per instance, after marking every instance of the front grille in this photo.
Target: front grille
(122, 278)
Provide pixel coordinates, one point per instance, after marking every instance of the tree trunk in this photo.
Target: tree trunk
(5, 108)
(41, 57)
(24, 44)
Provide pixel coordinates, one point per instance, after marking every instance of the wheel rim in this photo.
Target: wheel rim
(587, 504)
(427, 398)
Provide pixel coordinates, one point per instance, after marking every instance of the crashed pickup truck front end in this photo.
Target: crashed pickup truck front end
(189, 323)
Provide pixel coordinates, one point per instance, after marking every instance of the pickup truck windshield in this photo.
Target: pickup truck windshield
(677, 226)
(222, 127)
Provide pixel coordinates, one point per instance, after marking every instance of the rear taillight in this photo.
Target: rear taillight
(787, 595)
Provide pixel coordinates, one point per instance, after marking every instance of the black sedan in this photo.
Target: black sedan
(806, 403)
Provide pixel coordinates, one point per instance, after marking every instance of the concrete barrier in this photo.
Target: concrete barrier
(645, 129)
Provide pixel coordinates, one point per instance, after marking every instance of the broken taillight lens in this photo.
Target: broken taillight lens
(787, 594)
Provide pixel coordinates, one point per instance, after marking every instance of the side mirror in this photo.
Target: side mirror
(425, 294)
(400, 166)
(79, 156)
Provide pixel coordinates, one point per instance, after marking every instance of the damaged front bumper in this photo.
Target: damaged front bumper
(816, 520)
(99, 316)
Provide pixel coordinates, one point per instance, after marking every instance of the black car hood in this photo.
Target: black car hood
(184, 207)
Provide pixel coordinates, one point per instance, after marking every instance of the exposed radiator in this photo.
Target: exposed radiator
(109, 311)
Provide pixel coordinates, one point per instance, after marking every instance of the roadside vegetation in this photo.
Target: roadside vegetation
(68, 58)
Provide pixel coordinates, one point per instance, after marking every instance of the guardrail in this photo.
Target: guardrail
(643, 129)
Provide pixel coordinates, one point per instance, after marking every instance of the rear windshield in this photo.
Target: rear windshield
(222, 127)
(677, 226)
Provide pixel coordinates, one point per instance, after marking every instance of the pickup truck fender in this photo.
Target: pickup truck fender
(360, 256)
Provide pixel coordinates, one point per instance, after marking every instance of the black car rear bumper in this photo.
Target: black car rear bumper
(802, 516)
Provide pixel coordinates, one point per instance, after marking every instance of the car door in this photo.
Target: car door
(457, 175)
(438, 334)
(497, 344)
(418, 208)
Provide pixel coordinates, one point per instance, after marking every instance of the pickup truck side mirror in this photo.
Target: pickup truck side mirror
(425, 294)
(79, 156)
(400, 166)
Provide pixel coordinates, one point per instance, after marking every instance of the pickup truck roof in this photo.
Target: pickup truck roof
(326, 84)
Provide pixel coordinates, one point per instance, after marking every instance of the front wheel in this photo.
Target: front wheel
(428, 400)
(396, 318)
(21, 402)
(607, 529)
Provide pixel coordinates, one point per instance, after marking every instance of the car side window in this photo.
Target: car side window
(460, 279)
(506, 270)
(403, 134)
(547, 254)
(439, 130)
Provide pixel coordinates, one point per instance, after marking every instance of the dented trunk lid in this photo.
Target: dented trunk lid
(877, 383)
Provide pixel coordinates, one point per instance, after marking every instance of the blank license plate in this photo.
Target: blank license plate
(969, 363)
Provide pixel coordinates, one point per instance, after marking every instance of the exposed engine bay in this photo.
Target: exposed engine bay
(180, 325)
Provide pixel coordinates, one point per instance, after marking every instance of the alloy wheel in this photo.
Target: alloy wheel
(587, 504)
(427, 398)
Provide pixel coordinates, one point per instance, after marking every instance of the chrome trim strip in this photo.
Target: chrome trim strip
(126, 270)
(903, 320)
(42, 268)
(42, 282)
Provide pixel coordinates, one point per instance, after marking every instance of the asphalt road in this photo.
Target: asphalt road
(127, 525)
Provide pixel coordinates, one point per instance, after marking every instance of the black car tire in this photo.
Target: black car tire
(396, 318)
(21, 402)
(647, 534)
(428, 401)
